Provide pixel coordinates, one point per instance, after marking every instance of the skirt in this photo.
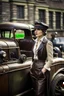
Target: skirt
(40, 81)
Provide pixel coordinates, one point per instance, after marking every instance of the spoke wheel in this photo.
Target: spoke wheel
(57, 85)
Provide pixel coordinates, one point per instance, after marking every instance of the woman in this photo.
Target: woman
(42, 60)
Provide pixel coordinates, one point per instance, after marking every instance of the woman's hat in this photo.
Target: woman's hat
(41, 25)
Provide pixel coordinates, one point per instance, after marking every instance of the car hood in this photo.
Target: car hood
(7, 43)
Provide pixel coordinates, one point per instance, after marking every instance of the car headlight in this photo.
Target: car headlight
(2, 53)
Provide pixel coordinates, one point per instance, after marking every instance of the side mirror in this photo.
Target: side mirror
(22, 58)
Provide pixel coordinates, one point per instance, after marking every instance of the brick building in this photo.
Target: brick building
(28, 11)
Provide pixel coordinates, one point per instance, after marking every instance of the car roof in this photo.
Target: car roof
(15, 25)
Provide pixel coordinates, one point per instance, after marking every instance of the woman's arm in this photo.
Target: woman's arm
(49, 48)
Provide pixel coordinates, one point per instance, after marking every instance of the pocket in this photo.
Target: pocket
(41, 75)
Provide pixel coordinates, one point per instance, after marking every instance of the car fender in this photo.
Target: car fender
(56, 62)
(61, 70)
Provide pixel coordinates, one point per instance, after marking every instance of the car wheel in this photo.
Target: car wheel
(57, 85)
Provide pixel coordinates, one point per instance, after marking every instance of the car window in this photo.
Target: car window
(8, 34)
(60, 40)
(57, 40)
(5, 34)
(19, 34)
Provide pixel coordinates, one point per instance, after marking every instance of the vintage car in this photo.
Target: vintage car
(16, 61)
(21, 32)
(14, 72)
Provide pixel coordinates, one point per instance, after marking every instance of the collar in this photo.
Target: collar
(43, 39)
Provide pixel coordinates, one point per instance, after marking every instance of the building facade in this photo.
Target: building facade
(28, 11)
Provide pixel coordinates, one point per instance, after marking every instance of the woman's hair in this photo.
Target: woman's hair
(44, 32)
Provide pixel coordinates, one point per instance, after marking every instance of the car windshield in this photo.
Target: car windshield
(10, 34)
(59, 40)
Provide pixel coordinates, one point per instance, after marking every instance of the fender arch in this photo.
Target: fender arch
(61, 70)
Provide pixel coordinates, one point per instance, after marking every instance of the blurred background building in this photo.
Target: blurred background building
(28, 11)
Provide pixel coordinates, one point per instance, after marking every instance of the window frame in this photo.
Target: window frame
(20, 11)
(51, 19)
(58, 20)
(42, 13)
(63, 20)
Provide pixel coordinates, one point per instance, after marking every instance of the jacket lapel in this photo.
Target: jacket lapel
(42, 43)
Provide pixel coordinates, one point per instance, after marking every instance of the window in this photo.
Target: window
(0, 8)
(20, 34)
(63, 20)
(50, 19)
(8, 34)
(58, 20)
(42, 15)
(0, 11)
(20, 12)
(5, 34)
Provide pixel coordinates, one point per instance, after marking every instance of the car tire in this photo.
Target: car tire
(57, 85)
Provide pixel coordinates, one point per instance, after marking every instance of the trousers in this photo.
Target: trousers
(40, 81)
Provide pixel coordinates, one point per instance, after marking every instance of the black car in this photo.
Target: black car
(58, 45)
(59, 42)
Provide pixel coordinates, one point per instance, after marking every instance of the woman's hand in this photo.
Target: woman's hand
(44, 70)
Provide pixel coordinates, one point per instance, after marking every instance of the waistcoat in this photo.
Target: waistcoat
(42, 52)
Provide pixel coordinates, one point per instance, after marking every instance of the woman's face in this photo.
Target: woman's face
(38, 32)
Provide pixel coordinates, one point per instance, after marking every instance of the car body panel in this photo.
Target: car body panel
(15, 79)
(7, 43)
